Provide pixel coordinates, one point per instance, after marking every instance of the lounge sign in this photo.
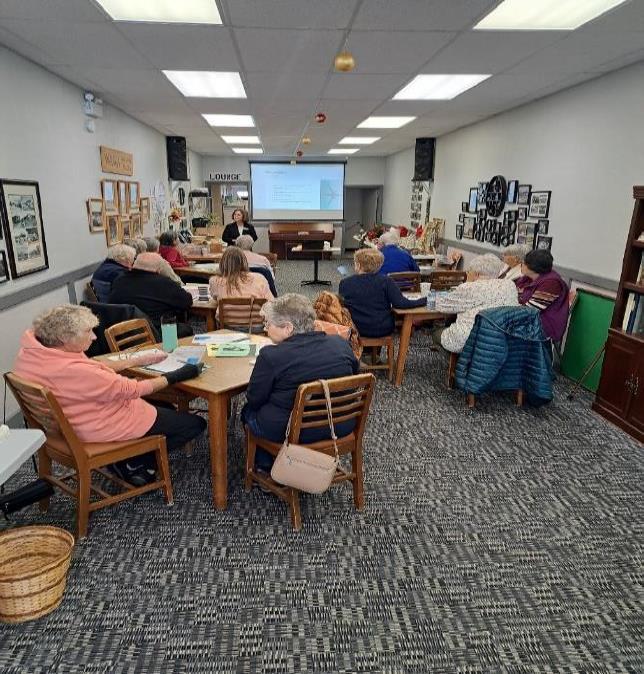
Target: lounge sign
(116, 161)
(225, 177)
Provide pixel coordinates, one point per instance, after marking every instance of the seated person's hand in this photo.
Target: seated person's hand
(149, 358)
(188, 371)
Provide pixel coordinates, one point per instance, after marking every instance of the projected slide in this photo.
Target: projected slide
(297, 192)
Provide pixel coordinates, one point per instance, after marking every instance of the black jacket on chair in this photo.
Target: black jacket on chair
(281, 368)
(231, 232)
(153, 294)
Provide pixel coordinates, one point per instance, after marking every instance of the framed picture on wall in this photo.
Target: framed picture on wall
(23, 227)
(109, 192)
(95, 215)
(472, 203)
(543, 226)
(136, 226)
(122, 197)
(539, 204)
(482, 192)
(522, 213)
(112, 229)
(464, 206)
(4, 269)
(468, 227)
(512, 191)
(126, 228)
(544, 242)
(145, 210)
(523, 194)
(133, 195)
(461, 217)
(459, 231)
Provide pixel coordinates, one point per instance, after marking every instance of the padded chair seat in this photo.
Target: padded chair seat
(95, 449)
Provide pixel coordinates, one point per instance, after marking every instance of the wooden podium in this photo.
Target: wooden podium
(283, 236)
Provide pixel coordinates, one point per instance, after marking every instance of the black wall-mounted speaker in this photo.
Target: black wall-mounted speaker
(177, 157)
(424, 159)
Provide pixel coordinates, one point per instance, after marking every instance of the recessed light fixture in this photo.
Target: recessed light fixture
(343, 150)
(544, 14)
(163, 11)
(230, 120)
(385, 122)
(438, 87)
(248, 150)
(241, 140)
(358, 140)
(207, 84)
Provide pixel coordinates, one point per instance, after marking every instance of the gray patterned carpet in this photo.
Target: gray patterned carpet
(493, 540)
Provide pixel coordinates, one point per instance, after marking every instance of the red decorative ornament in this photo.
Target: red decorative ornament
(299, 153)
(320, 118)
(419, 232)
(404, 232)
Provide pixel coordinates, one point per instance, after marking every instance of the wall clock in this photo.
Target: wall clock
(495, 196)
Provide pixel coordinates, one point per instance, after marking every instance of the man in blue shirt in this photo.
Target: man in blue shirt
(396, 258)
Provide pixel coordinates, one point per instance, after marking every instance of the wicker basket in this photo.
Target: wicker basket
(33, 571)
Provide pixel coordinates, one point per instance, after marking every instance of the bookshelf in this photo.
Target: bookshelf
(620, 395)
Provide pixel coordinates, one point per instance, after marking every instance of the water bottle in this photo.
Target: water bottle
(169, 332)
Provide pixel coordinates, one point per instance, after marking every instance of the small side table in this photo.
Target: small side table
(17, 448)
(318, 254)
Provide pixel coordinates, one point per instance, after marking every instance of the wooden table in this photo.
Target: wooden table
(204, 271)
(223, 379)
(409, 316)
(17, 448)
(211, 257)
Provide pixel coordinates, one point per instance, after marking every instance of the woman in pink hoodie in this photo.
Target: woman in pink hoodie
(100, 404)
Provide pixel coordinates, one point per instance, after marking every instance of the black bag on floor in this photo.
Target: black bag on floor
(21, 498)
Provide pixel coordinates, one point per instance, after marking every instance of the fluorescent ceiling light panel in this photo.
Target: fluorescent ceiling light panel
(241, 140)
(358, 140)
(248, 150)
(245, 121)
(438, 87)
(207, 84)
(163, 11)
(344, 150)
(544, 14)
(385, 122)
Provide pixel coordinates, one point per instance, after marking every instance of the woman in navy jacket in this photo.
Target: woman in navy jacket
(369, 296)
(238, 227)
(298, 355)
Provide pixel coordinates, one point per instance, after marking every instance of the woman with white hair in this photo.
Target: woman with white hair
(245, 243)
(482, 290)
(119, 261)
(100, 404)
(300, 355)
(513, 257)
(396, 258)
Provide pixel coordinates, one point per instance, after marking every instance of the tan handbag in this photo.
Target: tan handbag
(304, 468)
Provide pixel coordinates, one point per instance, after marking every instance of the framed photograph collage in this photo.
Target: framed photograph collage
(521, 217)
(123, 212)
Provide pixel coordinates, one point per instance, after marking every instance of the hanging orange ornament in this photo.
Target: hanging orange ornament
(320, 118)
(306, 140)
(299, 153)
(344, 62)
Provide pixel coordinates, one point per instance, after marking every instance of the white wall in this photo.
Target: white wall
(586, 144)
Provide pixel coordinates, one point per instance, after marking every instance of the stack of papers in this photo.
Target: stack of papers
(219, 338)
(178, 358)
(126, 355)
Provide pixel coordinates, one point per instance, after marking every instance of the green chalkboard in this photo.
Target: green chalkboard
(587, 333)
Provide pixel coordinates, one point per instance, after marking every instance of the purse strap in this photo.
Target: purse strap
(327, 400)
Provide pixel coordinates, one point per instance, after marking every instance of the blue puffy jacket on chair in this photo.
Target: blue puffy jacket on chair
(507, 350)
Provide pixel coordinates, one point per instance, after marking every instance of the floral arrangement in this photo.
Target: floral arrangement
(369, 236)
(175, 214)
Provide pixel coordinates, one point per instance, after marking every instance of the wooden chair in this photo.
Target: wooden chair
(350, 399)
(129, 334)
(375, 344)
(90, 293)
(241, 313)
(41, 410)
(407, 281)
(443, 279)
(271, 257)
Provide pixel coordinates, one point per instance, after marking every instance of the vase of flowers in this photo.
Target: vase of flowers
(369, 237)
(174, 217)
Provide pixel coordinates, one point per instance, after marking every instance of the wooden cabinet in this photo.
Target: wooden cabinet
(620, 396)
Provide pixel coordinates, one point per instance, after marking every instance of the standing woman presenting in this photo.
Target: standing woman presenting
(238, 227)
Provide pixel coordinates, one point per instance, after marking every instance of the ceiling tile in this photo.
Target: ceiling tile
(222, 106)
(281, 85)
(133, 83)
(394, 52)
(291, 13)
(489, 52)
(352, 86)
(61, 10)
(627, 17)
(282, 125)
(184, 47)
(421, 14)
(25, 48)
(79, 44)
(287, 50)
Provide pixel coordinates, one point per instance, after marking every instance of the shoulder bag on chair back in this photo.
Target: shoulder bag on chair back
(304, 468)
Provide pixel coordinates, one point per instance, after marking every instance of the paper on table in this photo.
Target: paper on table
(125, 355)
(178, 358)
(218, 338)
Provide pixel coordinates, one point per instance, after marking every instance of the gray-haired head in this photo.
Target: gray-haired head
(138, 245)
(245, 242)
(389, 238)
(122, 254)
(518, 251)
(290, 308)
(152, 244)
(486, 266)
(63, 324)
